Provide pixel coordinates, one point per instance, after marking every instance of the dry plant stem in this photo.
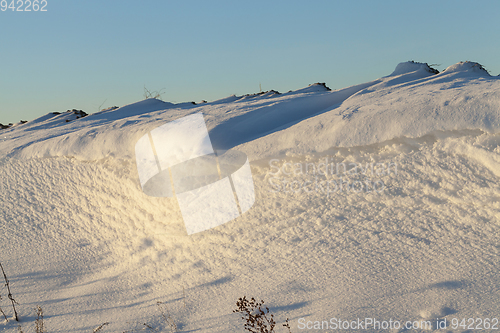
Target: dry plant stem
(39, 320)
(287, 325)
(168, 319)
(150, 327)
(152, 94)
(98, 328)
(10, 294)
(3, 313)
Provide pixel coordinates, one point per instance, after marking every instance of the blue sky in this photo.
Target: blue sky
(84, 54)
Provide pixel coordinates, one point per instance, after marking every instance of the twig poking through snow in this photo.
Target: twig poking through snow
(3, 312)
(10, 294)
(98, 328)
(39, 320)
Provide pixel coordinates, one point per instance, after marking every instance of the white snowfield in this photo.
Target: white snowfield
(409, 233)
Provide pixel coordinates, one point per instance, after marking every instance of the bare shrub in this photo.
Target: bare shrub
(153, 94)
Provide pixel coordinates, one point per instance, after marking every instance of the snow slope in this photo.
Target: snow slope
(83, 241)
(410, 104)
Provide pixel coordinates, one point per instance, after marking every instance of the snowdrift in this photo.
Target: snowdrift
(408, 228)
(411, 102)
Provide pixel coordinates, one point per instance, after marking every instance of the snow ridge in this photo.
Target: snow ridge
(82, 240)
(413, 101)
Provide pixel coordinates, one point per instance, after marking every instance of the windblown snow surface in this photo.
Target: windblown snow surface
(413, 234)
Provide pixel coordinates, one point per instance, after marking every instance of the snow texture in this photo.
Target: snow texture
(410, 231)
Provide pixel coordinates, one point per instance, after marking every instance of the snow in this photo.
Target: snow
(82, 240)
(411, 67)
(473, 68)
(405, 105)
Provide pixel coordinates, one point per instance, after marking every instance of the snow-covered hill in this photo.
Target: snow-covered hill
(409, 232)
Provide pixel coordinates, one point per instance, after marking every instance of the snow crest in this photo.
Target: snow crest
(468, 67)
(411, 66)
(411, 102)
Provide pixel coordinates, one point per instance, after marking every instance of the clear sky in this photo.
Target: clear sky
(87, 54)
